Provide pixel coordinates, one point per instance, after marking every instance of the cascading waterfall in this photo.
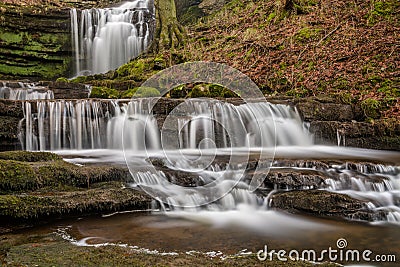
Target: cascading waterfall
(378, 185)
(104, 39)
(55, 125)
(253, 124)
(25, 91)
(118, 124)
(91, 124)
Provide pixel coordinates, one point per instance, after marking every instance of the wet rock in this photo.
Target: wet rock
(322, 203)
(356, 134)
(10, 114)
(67, 90)
(9, 133)
(311, 164)
(294, 179)
(312, 110)
(178, 177)
(11, 108)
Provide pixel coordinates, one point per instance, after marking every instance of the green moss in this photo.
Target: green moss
(298, 92)
(129, 93)
(62, 80)
(146, 92)
(271, 17)
(191, 15)
(28, 156)
(199, 91)
(382, 9)
(307, 34)
(179, 92)
(104, 92)
(208, 90)
(159, 62)
(52, 250)
(371, 108)
(16, 176)
(82, 79)
(346, 98)
(22, 206)
(34, 54)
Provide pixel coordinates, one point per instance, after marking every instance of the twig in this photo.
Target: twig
(319, 42)
(326, 36)
(301, 53)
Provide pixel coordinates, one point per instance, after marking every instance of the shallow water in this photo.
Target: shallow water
(246, 227)
(158, 232)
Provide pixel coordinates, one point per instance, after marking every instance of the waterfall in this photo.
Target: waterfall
(55, 125)
(93, 124)
(215, 124)
(104, 39)
(25, 91)
(193, 142)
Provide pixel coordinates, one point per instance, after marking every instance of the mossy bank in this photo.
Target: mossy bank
(42, 186)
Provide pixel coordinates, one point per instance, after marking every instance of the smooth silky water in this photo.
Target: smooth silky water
(121, 32)
(214, 142)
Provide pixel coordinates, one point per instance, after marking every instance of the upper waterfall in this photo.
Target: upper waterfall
(104, 39)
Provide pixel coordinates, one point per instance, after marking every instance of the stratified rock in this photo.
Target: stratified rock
(39, 185)
(35, 43)
(356, 134)
(67, 90)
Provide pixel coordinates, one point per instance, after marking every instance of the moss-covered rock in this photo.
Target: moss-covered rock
(146, 92)
(28, 156)
(45, 205)
(323, 203)
(36, 185)
(104, 92)
(28, 171)
(16, 176)
(35, 43)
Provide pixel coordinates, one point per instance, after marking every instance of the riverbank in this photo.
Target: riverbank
(51, 250)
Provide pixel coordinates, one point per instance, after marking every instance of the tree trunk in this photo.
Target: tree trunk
(169, 33)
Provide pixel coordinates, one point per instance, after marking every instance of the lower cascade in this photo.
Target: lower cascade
(104, 39)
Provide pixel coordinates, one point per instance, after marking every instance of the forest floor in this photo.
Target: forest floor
(345, 49)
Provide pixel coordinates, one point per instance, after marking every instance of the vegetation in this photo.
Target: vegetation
(298, 48)
(37, 185)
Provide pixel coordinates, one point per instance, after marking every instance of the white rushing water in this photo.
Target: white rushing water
(209, 142)
(25, 91)
(92, 124)
(105, 38)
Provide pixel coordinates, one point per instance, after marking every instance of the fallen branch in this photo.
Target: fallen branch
(329, 33)
(319, 42)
